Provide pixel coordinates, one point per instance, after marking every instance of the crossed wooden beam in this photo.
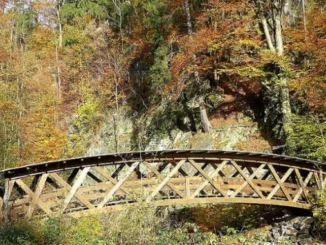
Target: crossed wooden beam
(165, 182)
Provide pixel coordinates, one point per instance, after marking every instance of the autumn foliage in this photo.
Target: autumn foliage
(58, 57)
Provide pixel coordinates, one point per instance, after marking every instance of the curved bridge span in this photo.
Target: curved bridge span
(91, 185)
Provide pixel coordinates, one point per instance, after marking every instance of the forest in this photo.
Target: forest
(87, 77)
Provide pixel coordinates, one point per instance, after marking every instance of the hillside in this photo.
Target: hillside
(88, 77)
(129, 75)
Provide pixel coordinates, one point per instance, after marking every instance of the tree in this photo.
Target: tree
(270, 13)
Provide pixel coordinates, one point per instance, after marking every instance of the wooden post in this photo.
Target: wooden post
(74, 188)
(187, 187)
(36, 197)
(118, 185)
(8, 188)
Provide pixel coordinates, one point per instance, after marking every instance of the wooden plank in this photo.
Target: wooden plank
(74, 188)
(30, 193)
(253, 186)
(118, 170)
(205, 165)
(217, 187)
(188, 193)
(36, 196)
(321, 179)
(130, 184)
(161, 177)
(253, 175)
(318, 182)
(166, 179)
(303, 186)
(118, 185)
(94, 177)
(193, 201)
(215, 172)
(280, 182)
(68, 187)
(249, 170)
(72, 176)
(208, 188)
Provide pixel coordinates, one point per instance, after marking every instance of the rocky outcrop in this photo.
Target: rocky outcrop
(299, 231)
(164, 129)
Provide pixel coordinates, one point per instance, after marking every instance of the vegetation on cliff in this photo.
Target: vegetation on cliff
(83, 77)
(67, 67)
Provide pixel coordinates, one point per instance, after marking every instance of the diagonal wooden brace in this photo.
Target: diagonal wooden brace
(161, 177)
(118, 185)
(74, 188)
(280, 183)
(253, 175)
(165, 181)
(109, 178)
(205, 175)
(302, 186)
(31, 194)
(253, 186)
(206, 182)
(318, 182)
(36, 196)
(68, 187)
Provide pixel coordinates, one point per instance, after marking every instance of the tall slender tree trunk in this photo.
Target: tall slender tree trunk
(278, 35)
(267, 35)
(189, 25)
(282, 85)
(60, 34)
(58, 76)
(304, 15)
(59, 23)
(203, 113)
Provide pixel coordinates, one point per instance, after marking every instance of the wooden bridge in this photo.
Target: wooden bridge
(91, 185)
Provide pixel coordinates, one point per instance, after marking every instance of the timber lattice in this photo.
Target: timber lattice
(92, 185)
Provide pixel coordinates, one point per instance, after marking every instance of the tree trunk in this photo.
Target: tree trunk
(58, 76)
(284, 91)
(285, 101)
(189, 25)
(203, 115)
(286, 114)
(289, 11)
(278, 34)
(115, 130)
(60, 35)
(267, 35)
(304, 15)
(278, 48)
(59, 23)
(190, 115)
